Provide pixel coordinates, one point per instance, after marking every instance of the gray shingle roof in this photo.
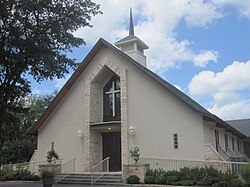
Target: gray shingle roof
(242, 125)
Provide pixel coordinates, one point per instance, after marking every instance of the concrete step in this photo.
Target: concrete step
(107, 179)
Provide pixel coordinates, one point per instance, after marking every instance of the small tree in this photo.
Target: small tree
(135, 153)
(52, 156)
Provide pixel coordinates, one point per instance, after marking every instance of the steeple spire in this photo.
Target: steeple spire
(132, 45)
(131, 24)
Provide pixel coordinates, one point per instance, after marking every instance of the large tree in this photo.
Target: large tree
(19, 146)
(34, 37)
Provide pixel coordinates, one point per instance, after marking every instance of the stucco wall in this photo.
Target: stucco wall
(62, 127)
(156, 115)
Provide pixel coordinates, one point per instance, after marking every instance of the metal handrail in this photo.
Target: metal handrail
(66, 174)
(95, 166)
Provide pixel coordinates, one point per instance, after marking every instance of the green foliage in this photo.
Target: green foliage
(149, 180)
(34, 38)
(52, 156)
(160, 179)
(155, 172)
(19, 175)
(17, 146)
(185, 183)
(207, 176)
(245, 173)
(171, 179)
(133, 179)
(47, 174)
(135, 153)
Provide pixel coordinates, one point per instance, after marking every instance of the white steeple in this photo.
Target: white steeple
(132, 45)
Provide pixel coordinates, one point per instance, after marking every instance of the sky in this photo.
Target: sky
(200, 46)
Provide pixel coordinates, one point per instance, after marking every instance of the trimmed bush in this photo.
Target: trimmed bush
(23, 175)
(133, 179)
(149, 180)
(185, 183)
(245, 173)
(207, 176)
(160, 179)
(171, 179)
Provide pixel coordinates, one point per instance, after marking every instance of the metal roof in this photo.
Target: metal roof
(242, 125)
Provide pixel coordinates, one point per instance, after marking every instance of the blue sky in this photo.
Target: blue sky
(200, 46)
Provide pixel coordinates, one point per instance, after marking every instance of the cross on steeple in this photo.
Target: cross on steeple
(131, 24)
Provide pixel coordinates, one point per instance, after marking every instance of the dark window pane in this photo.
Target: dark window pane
(118, 106)
(108, 87)
(117, 84)
(108, 106)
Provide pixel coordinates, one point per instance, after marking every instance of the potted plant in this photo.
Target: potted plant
(135, 153)
(47, 177)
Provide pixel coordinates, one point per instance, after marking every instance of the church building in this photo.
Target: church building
(113, 103)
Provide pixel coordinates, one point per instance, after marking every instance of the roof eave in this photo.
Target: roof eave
(66, 87)
(139, 41)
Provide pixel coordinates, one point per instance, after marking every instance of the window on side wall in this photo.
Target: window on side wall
(175, 139)
(233, 143)
(238, 145)
(226, 142)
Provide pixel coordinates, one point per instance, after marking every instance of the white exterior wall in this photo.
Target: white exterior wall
(62, 127)
(209, 133)
(68, 117)
(156, 115)
(153, 111)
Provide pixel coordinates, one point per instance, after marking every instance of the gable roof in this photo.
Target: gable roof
(100, 43)
(243, 125)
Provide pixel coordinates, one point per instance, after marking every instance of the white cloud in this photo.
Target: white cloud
(233, 110)
(243, 6)
(205, 57)
(156, 21)
(226, 88)
(201, 13)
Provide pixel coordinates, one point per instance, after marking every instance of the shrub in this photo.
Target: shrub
(245, 173)
(47, 174)
(171, 179)
(21, 174)
(8, 175)
(149, 180)
(236, 183)
(185, 183)
(160, 179)
(133, 179)
(155, 172)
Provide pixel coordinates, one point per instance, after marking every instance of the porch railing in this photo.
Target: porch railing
(171, 164)
(33, 166)
(65, 170)
(99, 170)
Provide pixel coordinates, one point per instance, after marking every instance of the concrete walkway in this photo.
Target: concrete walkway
(39, 184)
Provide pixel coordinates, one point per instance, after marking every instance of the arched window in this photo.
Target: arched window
(112, 100)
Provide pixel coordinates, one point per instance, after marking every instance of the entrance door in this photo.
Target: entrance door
(111, 147)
